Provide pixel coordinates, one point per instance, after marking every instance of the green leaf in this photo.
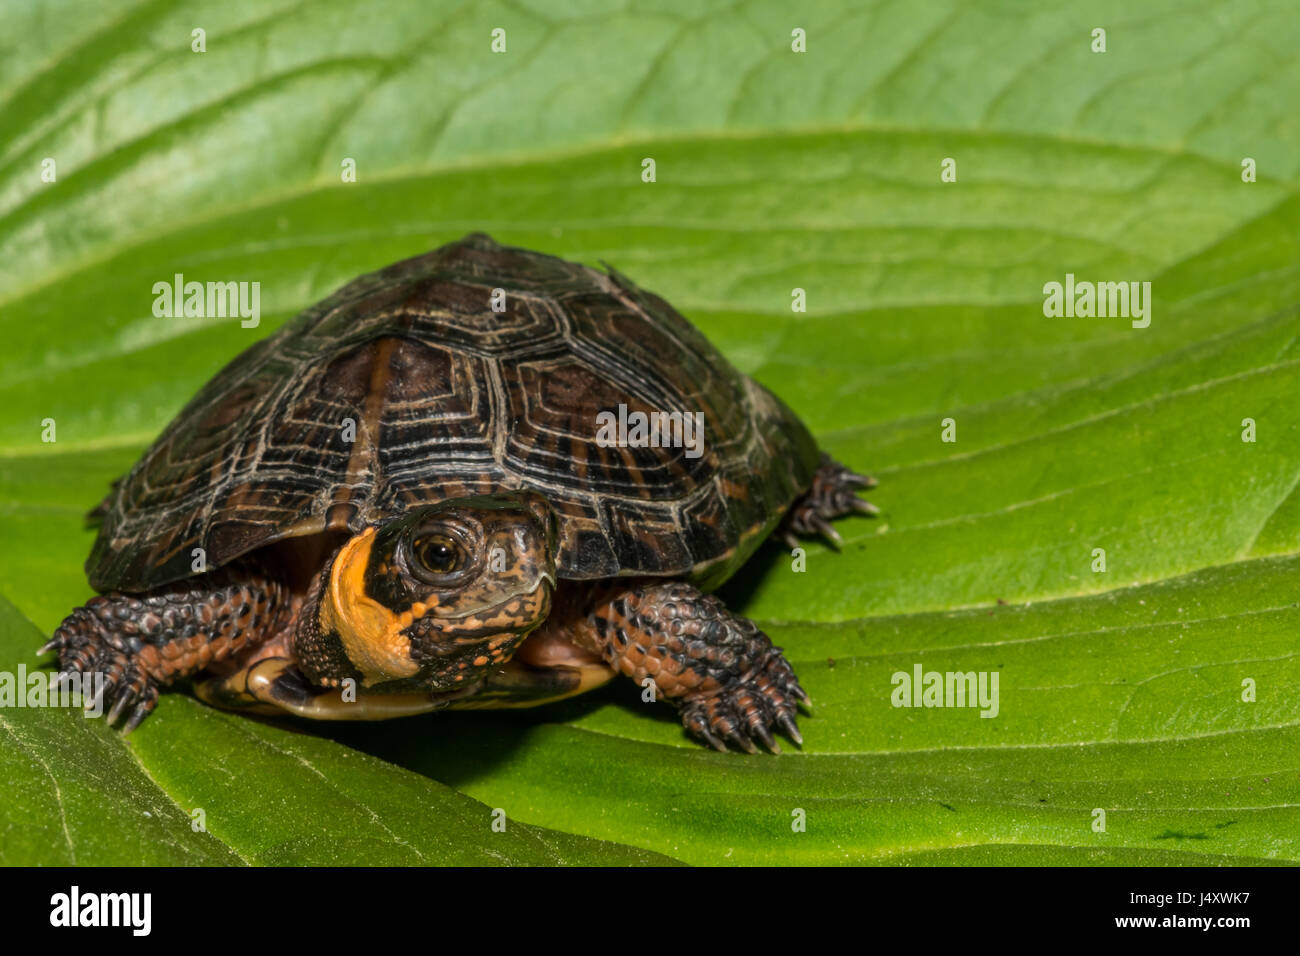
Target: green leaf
(1120, 690)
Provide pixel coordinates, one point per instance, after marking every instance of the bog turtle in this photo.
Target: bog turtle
(481, 477)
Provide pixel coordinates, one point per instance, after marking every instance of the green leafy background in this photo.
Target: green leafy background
(1119, 690)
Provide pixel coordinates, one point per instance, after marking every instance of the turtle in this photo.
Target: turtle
(480, 477)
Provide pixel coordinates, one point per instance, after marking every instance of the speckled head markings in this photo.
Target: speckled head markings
(430, 599)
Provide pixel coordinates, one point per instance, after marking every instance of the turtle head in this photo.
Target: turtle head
(435, 597)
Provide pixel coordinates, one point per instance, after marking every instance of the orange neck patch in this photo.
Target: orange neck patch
(371, 633)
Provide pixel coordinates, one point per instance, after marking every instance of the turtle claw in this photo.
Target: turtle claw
(791, 728)
(833, 494)
(118, 706)
(743, 713)
(759, 730)
(701, 730)
(139, 697)
(142, 710)
(854, 480)
(823, 527)
(743, 742)
(96, 700)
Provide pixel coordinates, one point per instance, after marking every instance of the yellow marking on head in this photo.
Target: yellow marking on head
(371, 633)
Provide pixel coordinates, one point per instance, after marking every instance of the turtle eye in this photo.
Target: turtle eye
(439, 554)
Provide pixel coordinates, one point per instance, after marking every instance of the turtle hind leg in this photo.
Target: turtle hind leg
(729, 683)
(833, 494)
(140, 642)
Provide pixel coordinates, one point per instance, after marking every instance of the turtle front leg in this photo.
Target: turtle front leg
(834, 494)
(139, 642)
(729, 682)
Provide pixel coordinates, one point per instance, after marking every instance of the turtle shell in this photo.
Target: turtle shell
(444, 397)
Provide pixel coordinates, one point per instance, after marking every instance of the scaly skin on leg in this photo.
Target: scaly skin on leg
(143, 641)
(722, 673)
(833, 495)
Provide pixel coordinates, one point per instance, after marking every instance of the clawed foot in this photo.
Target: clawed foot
(748, 709)
(110, 676)
(833, 495)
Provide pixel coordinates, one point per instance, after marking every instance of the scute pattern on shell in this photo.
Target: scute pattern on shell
(451, 399)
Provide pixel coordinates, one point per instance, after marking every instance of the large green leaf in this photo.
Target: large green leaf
(209, 787)
(1120, 690)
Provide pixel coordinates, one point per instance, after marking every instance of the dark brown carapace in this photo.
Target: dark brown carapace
(404, 500)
